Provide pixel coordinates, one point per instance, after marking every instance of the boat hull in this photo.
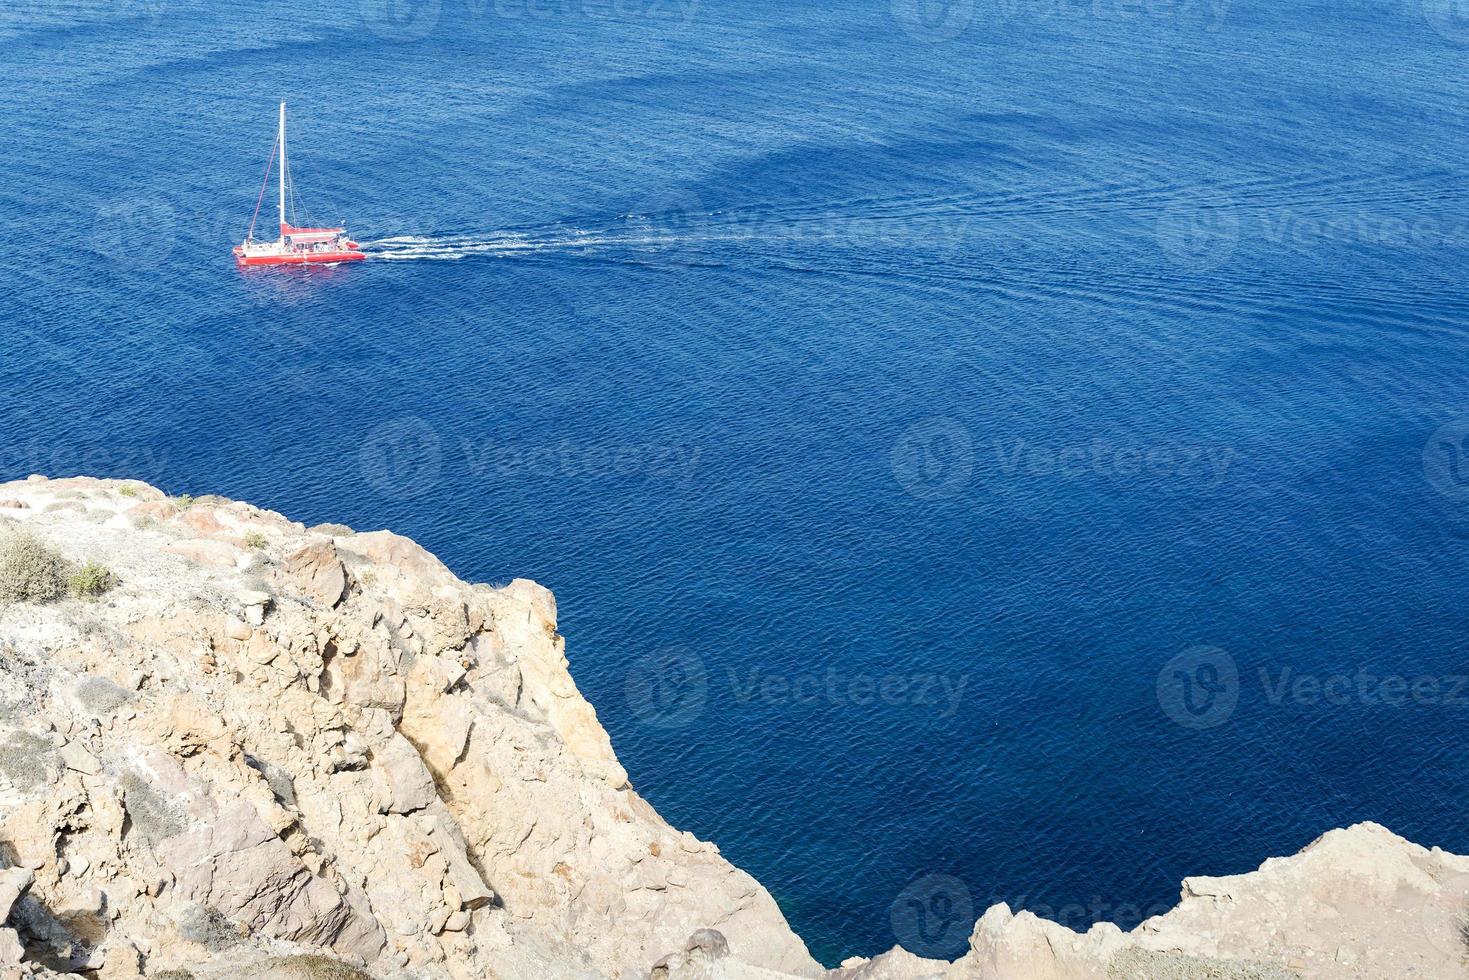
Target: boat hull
(303, 258)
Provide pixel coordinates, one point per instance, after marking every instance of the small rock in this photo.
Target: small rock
(219, 554)
(15, 505)
(10, 948)
(202, 520)
(122, 960)
(710, 942)
(319, 572)
(236, 629)
(410, 785)
(457, 921)
(260, 650)
(76, 757)
(14, 882)
(92, 900)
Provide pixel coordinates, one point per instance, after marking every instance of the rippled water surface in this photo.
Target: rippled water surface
(983, 452)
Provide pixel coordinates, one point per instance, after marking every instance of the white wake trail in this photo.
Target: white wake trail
(452, 247)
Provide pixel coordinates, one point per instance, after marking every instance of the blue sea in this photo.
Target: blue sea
(1003, 450)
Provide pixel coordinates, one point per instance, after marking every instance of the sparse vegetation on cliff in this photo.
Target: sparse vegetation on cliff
(90, 581)
(312, 967)
(30, 571)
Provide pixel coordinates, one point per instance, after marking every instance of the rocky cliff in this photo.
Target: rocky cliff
(233, 746)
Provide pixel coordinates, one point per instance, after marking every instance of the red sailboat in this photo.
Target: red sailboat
(296, 246)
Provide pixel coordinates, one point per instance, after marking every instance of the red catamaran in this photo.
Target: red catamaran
(296, 246)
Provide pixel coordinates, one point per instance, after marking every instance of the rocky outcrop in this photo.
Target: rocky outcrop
(1357, 903)
(270, 742)
(278, 752)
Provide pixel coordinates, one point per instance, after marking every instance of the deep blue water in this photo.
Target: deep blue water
(896, 396)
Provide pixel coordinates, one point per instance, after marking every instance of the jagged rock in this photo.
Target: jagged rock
(231, 861)
(1024, 947)
(318, 572)
(13, 884)
(75, 756)
(11, 949)
(409, 785)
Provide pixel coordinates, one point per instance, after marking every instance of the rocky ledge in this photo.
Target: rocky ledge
(233, 746)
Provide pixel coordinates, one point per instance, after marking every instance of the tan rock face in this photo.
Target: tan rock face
(1357, 904)
(317, 572)
(273, 762)
(326, 746)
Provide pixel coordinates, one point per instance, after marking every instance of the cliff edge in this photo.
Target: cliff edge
(233, 746)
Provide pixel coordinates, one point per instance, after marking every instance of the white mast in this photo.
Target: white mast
(283, 171)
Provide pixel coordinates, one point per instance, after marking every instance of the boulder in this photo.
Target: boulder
(318, 573)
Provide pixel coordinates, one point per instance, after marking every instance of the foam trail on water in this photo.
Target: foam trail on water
(450, 247)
